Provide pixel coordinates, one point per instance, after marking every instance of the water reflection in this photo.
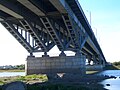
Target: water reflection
(7, 74)
(113, 83)
(110, 84)
(110, 73)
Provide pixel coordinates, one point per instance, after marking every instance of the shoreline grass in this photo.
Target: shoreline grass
(43, 78)
(40, 82)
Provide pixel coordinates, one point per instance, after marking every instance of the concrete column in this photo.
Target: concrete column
(27, 64)
(94, 67)
(51, 65)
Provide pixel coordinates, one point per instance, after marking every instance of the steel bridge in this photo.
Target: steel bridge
(39, 25)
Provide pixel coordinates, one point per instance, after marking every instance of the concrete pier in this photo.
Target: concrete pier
(51, 65)
(96, 67)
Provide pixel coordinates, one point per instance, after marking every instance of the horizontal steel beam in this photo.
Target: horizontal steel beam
(18, 11)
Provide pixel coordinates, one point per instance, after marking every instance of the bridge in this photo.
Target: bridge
(39, 25)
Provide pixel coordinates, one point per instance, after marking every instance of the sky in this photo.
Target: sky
(105, 22)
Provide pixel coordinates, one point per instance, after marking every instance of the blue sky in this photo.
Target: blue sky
(105, 17)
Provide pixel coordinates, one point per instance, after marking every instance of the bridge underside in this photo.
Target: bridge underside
(39, 25)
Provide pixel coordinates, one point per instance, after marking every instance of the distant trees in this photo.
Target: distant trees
(116, 63)
(22, 66)
(10, 67)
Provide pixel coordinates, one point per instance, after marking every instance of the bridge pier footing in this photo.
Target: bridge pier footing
(95, 67)
(54, 65)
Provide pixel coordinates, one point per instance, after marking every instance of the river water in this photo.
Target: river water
(8, 74)
(113, 83)
(110, 84)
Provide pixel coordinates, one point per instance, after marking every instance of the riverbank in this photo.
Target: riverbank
(112, 67)
(40, 82)
(83, 84)
(28, 79)
(11, 70)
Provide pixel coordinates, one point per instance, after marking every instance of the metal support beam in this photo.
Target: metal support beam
(9, 26)
(28, 27)
(32, 7)
(51, 29)
(33, 24)
(19, 11)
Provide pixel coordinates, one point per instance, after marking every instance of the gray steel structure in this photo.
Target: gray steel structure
(39, 25)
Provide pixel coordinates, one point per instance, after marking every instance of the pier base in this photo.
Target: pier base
(53, 65)
(94, 67)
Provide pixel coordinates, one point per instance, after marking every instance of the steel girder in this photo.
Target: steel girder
(26, 32)
(19, 11)
(27, 39)
(48, 22)
(43, 40)
(27, 15)
(76, 20)
(53, 32)
(81, 37)
(70, 30)
(75, 29)
(77, 10)
(77, 36)
(29, 28)
(63, 45)
(44, 5)
(72, 36)
(19, 36)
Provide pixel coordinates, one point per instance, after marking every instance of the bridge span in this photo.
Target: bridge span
(39, 25)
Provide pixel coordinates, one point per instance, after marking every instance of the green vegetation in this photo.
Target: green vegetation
(116, 63)
(20, 67)
(28, 79)
(10, 68)
(43, 78)
(33, 83)
(113, 66)
(32, 78)
(40, 78)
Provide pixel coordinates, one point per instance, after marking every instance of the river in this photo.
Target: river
(8, 74)
(113, 83)
(110, 84)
